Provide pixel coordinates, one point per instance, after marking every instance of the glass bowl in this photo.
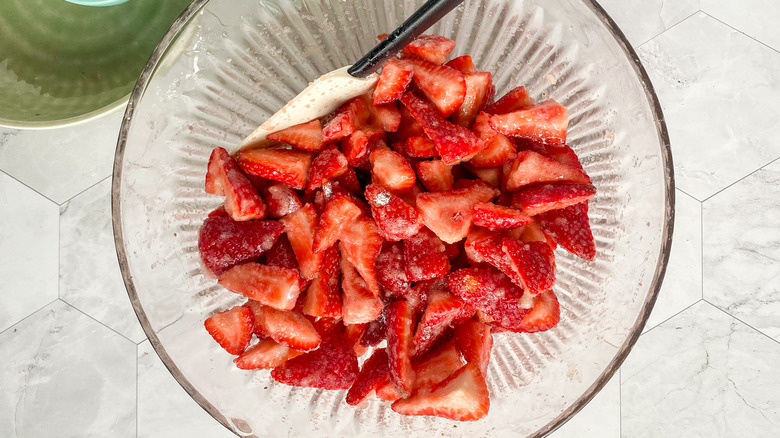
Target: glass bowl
(226, 65)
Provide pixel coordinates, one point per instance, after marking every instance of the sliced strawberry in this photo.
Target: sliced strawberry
(282, 255)
(442, 85)
(483, 246)
(544, 315)
(289, 166)
(232, 329)
(327, 165)
(418, 147)
(354, 333)
(435, 175)
(478, 88)
(290, 328)
(391, 272)
(541, 198)
(350, 116)
(361, 244)
(491, 175)
(376, 331)
(453, 142)
(570, 228)
(305, 136)
(408, 127)
(339, 213)
(441, 310)
(433, 48)
(396, 219)
(349, 182)
(544, 122)
(223, 242)
(400, 324)
(559, 152)
(300, 227)
(496, 217)
(360, 144)
(281, 200)
(475, 341)
(491, 292)
(323, 297)
(463, 64)
(411, 197)
(391, 170)
(515, 99)
(450, 214)
(387, 392)
(224, 177)
(271, 285)
(375, 373)
(392, 82)
(332, 366)
(387, 117)
(219, 212)
(417, 296)
(264, 355)
(498, 148)
(359, 304)
(462, 396)
(436, 366)
(534, 261)
(531, 167)
(425, 256)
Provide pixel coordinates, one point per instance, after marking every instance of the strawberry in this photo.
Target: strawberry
(300, 228)
(463, 64)
(323, 297)
(224, 177)
(332, 366)
(391, 272)
(436, 366)
(544, 315)
(483, 246)
(375, 373)
(376, 331)
(282, 255)
(534, 261)
(284, 165)
(232, 329)
(491, 175)
(498, 148)
(327, 165)
(281, 200)
(453, 142)
(392, 83)
(361, 243)
(264, 355)
(449, 214)
(350, 116)
(360, 144)
(435, 175)
(411, 196)
(223, 242)
(531, 167)
(539, 199)
(408, 127)
(559, 152)
(515, 99)
(390, 170)
(544, 122)
(491, 292)
(425, 256)
(445, 87)
(271, 285)
(305, 136)
(478, 88)
(354, 333)
(396, 219)
(496, 217)
(417, 147)
(441, 310)
(387, 392)
(339, 213)
(349, 182)
(387, 117)
(475, 341)
(290, 328)
(417, 296)
(219, 212)
(570, 228)
(462, 396)
(432, 48)
(400, 324)
(359, 304)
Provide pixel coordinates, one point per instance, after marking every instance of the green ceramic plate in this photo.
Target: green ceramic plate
(61, 62)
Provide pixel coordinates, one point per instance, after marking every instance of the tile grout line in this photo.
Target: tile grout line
(29, 187)
(701, 244)
(28, 316)
(739, 31)
(687, 194)
(740, 179)
(87, 189)
(743, 322)
(668, 29)
(98, 321)
(667, 319)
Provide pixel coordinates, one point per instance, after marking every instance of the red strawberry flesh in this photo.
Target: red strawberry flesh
(224, 243)
(232, 329)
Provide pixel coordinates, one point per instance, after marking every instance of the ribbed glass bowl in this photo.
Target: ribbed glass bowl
(226, 65)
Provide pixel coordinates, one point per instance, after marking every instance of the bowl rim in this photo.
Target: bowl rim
(666, 237)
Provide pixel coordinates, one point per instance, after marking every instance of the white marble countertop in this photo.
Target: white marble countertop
(76, 362)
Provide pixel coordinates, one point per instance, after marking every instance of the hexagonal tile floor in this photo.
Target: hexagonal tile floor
(76, 362)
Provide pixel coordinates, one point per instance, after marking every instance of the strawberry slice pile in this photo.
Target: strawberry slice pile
(399, 232)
